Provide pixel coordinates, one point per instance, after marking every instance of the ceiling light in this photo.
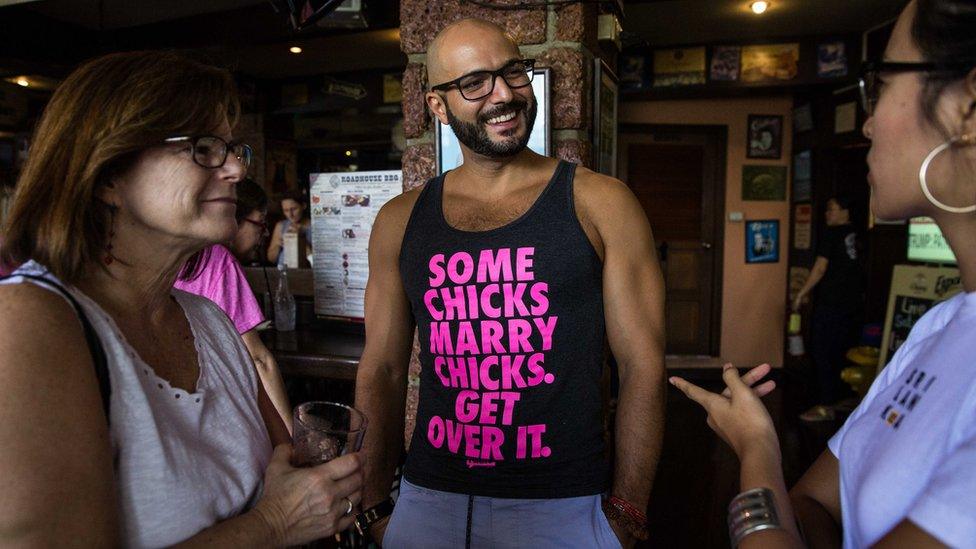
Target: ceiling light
(295, 49)
(23, 82)
(759, 7)
(348, 153)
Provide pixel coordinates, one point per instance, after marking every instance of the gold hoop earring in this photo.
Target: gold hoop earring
(966, 140)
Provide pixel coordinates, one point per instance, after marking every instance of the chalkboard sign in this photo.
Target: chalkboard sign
(914, 291)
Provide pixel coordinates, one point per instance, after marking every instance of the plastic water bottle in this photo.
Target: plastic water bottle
(284, 303)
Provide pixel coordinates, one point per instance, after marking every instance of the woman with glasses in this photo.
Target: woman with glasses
(220, 279)
(131, 413)
(900, 472)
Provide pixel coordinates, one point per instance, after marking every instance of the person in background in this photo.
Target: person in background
(293, 207)
(838, 310)
(900, 472)
(131, 414)
(220, 279)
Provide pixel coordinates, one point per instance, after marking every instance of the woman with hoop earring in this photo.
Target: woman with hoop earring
(900, 472)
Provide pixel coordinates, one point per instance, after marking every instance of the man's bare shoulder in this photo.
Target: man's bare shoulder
(396, 212)
(601, 197)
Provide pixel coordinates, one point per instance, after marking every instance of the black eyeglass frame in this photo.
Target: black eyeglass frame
(262, 224)
(494, 75)
(871, 70)
(244, 158)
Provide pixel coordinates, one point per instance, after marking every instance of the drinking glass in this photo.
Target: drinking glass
(324, 431)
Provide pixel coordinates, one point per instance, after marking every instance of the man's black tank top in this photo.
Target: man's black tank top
(511, 332)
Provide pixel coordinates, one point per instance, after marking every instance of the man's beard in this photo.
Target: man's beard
(475, 136)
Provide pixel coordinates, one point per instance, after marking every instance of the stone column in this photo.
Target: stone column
(563, 39)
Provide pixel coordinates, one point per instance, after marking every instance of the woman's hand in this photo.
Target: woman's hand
(304, 504)
(737, 415)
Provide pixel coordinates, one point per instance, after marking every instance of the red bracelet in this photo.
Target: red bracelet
(631, 511)
(617, 514)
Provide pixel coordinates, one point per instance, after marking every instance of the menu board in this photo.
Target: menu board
(344, 206)
(914, 291)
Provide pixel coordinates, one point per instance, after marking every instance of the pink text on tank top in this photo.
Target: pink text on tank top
(495, 363)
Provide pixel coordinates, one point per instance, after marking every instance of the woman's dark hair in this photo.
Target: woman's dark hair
(250, 197)
(945, 32)
(843, 201)
(294, 194)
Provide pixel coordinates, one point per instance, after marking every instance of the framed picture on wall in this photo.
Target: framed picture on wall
(449, 150)
(604, 119)
(765, 137)
(762, 241)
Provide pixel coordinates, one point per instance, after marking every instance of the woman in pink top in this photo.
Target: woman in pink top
(221, 280)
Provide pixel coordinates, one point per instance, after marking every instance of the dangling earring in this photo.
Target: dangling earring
(965, 140)
(109, 258)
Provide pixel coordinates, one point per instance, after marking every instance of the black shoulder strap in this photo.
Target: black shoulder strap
(94, 344)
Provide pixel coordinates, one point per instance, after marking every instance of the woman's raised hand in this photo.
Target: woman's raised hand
(736, 415)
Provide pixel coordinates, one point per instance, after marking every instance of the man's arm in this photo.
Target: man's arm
(381, 382)
(816, 273)
(633, 294)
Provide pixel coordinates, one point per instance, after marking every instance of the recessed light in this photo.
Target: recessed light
(23, 82)
(759, 7)
(295, 49)
(348, 153)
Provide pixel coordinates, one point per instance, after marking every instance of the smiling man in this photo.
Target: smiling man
(516, 269)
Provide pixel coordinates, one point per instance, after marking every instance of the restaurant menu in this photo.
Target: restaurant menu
(344, 206)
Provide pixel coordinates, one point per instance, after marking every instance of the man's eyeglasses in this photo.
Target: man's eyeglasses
(263, 225)
(478, 85)
(211, 151)
(871, 84)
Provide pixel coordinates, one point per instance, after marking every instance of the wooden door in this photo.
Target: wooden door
(678, 175)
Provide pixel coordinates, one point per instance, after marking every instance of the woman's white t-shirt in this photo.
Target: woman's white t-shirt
(184, 461)
(909, 450)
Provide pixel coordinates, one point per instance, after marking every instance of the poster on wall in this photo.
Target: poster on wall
(344, 206)
(632, 71)
(605, 119)
(831, 60)
(802, 226)
(803, 118)
(770, 62)
(449, 150)
(679, 67)
(762, 241)
(802, 176)
(725, 63)
(765, 137)
(845, 117)
(763, 182)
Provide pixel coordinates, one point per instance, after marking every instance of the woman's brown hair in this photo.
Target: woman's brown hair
(97, 122)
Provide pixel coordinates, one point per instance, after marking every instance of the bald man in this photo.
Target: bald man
(516, 269)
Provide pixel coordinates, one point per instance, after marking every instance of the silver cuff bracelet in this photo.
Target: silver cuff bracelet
(751, 511)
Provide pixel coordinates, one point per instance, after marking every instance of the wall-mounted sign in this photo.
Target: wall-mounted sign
(679, 67)
(765, 136)
(343, 207)
(762, 241)
(802, 226)
(770, 62)
(763, 182)
(725, 63)
(831, 60)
